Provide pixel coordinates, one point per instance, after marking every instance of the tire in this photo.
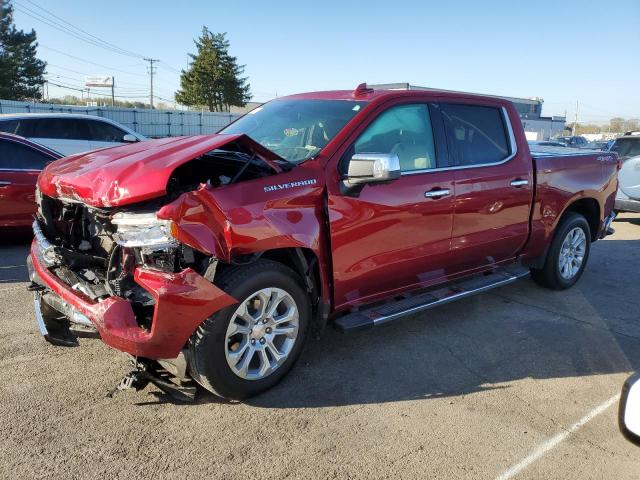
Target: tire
(216, 358)
(555, 274)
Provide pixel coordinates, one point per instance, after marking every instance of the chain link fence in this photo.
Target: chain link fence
(150, 123)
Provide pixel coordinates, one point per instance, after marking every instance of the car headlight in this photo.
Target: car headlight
(142, 230)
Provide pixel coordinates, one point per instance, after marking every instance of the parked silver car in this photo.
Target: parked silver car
(628, 149)
(68, 133)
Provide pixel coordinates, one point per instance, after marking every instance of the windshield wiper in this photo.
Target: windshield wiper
(242, 169)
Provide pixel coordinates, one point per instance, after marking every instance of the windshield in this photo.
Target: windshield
(626, 147)
(296, 129)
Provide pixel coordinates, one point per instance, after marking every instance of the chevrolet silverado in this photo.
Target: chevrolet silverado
(214, 257)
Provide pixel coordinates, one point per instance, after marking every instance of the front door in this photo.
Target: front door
(390, 237)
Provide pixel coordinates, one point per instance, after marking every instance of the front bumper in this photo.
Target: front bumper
(182, 302)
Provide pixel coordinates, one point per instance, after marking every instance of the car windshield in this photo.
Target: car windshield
(626, 147)
(296, 129)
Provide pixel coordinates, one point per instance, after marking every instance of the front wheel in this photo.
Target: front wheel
(567, 255)
(248, 347)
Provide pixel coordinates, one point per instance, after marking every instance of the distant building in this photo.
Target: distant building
(536, 126)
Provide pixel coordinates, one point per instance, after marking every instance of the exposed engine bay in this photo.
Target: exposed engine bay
(98, 249)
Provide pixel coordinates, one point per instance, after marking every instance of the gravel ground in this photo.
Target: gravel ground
(468, 390)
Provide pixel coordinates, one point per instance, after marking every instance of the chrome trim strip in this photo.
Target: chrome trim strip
(512, 144)
(442, 301)
(45, 248)
(519, 183)
(39, 318)
(512, 137)
(20, 170)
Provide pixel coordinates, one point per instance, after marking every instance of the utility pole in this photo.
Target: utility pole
(113, 94)
(575, 121)
(151, 72)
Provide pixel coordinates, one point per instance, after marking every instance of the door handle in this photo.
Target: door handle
(3, 183)
(517, 183)
(437, 193)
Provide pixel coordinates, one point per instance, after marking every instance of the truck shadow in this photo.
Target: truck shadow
(482, 343)
(485, 342)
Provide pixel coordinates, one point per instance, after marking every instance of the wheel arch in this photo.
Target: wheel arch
(589, 208)
(305, 263)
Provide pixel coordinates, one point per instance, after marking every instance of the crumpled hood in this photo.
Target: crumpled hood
(134, 172)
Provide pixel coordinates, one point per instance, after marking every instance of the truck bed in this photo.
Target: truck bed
(539, 151)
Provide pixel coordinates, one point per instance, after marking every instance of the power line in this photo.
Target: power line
(74, 31)
(72, 87)
(169, 67)
(120, 82)
(90, 62)
(141, 91)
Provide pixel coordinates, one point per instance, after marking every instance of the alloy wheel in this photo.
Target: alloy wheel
(572, 253)
(261, 333)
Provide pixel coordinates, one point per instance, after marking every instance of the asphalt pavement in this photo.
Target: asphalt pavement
(519, 382)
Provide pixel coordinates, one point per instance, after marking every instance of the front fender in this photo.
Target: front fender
(232, 221)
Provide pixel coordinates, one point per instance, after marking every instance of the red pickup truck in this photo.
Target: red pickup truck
(215, 256)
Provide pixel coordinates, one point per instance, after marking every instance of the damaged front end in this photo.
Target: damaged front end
(121, 270)
(122, 273)
(136, 264)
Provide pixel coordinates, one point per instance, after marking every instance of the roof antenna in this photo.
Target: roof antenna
(362, 90)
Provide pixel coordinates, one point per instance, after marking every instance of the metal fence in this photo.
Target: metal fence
(150, 123)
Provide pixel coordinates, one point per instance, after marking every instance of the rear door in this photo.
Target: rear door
(64, 135)
(493, 185)
(19, 169)
(390, 237)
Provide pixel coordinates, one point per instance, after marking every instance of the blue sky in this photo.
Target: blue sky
(562, 51)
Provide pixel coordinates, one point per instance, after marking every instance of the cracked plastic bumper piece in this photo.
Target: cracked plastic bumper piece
(182, 301)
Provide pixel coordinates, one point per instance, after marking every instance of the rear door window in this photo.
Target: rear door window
(16, 156)
(105, 132)
(9, 126)
(476, 134)
(58, 128)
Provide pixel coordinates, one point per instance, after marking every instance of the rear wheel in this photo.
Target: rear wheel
(250, 346)
(567, 255)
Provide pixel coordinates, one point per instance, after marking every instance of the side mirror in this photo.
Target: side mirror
(629, 409)
(372, 168)
(128, 138)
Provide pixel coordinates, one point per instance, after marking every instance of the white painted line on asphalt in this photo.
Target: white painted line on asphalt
(554, 441)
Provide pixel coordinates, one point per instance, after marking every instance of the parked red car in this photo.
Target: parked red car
(20, 163)
(215, 255)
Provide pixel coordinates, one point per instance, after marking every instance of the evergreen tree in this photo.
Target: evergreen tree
(21, 72)
(214, 77)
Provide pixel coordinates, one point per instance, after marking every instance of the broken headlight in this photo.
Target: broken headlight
(143, 230)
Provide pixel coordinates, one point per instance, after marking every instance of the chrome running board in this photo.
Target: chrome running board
(451, 292)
